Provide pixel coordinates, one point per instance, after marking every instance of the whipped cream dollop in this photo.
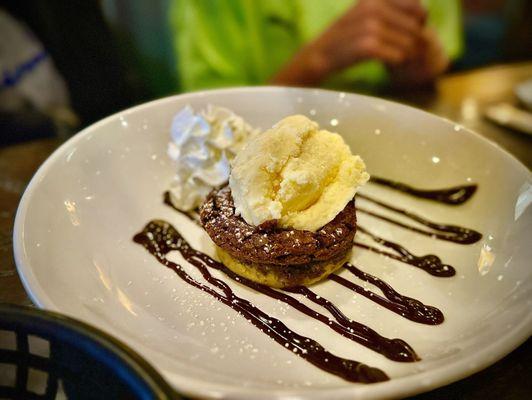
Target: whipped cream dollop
(203, 144)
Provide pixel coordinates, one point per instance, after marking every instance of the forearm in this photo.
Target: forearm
(430, 62)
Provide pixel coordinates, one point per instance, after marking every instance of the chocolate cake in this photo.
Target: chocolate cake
(274, 256)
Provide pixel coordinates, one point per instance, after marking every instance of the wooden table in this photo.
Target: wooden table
(460, 97)
(17, 165)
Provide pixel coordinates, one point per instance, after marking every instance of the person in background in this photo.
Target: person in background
(361, 45)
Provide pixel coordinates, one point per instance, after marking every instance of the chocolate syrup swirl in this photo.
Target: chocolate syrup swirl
(453, 196)
(160, 238)
(430, 263)
(451, 233)
(408, 307)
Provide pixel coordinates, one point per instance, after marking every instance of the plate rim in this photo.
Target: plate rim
(396, 387)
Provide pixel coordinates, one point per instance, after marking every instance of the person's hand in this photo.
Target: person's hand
(387, 30)
(427, 63)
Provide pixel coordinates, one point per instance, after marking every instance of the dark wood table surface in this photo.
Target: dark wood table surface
(459, 97)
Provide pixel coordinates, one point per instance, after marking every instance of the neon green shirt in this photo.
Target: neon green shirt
(245, 42)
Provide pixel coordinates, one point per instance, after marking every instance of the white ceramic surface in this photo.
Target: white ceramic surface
(75, 255)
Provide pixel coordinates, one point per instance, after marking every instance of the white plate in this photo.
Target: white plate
(75, 255)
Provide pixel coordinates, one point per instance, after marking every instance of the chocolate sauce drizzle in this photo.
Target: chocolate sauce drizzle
(160, 238)
(430, 263)
(408, 307)
(451, 233)
(453, 196)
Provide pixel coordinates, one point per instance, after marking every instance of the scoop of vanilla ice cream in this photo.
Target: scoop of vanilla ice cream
(295, 173)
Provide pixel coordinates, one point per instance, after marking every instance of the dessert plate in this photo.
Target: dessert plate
(75, 253)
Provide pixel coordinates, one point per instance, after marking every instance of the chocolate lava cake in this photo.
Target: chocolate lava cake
(274, 256)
